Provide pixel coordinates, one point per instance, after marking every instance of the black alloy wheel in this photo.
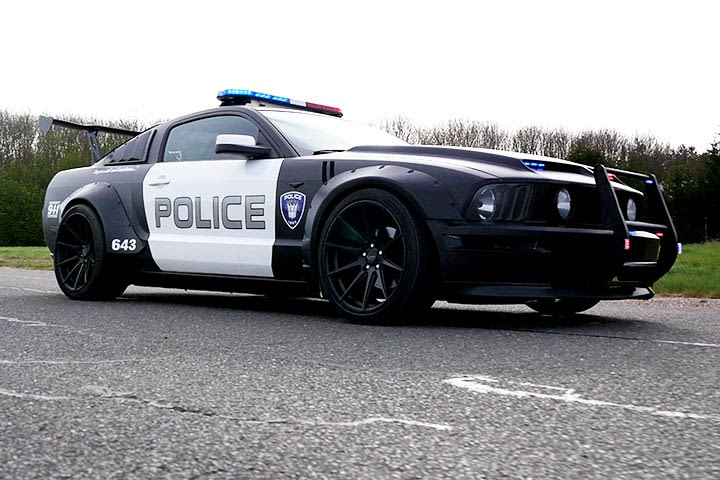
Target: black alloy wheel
(80, 261)
(373, 257)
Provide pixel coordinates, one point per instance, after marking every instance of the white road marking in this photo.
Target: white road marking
(368, 421)
(72, 362)
(694, 344)
(490, 385)
(34, 290)
(105, 392)
(22, 277)
(29, 396)
(38, 323)
(26, 323)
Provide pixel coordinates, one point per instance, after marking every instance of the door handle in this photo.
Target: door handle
(159, 181)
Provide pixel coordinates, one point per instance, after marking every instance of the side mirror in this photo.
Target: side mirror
(242, 144)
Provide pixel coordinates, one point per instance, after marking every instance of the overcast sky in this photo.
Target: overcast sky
(634, 66)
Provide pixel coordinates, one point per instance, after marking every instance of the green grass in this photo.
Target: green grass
(695, 274)
(34, 258)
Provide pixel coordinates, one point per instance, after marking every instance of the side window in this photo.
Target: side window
(132, 151)
(196, 140)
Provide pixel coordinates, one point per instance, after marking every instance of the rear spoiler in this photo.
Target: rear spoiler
(46, 123)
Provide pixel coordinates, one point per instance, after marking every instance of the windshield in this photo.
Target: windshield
(311, 133)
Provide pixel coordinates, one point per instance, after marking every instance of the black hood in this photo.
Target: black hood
(495, 163)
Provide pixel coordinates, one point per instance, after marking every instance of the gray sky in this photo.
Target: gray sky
(635, 66)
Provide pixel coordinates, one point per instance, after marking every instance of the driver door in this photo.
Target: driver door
(209, 213)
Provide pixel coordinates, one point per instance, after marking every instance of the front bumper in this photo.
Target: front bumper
(518, 262)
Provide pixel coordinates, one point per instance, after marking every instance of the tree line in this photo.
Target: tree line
(29, 159)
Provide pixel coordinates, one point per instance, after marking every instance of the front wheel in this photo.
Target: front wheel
(374, 258)
(562, 306)
(81, 266)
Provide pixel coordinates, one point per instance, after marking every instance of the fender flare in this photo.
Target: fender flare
(104, 199)
(423, 193)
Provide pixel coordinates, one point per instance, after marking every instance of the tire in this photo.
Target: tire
(562, 306)
(81, 265)
(374, 259)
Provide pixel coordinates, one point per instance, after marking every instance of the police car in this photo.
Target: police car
(269, 194)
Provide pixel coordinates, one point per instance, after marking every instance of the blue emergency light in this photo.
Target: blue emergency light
(537, 166)
(234, 96)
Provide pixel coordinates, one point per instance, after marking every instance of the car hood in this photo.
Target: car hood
(494, 163)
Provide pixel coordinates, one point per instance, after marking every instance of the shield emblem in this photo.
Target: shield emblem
(292, 206)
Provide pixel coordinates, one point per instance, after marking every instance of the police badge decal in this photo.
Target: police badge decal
(292, 206)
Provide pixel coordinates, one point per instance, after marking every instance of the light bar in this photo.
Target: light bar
(235, 96)
(537, 166)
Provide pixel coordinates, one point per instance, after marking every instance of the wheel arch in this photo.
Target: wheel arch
(106, 203)
(421, 193)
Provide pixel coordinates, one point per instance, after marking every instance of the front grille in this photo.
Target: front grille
(514, 203)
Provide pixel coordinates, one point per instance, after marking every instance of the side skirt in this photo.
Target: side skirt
(218, 283)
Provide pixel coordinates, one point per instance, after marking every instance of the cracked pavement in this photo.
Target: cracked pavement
(173, 384)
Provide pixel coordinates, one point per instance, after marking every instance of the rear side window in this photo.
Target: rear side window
(132, 151)
(195, 140)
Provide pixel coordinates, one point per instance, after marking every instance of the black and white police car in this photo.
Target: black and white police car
(269, 194)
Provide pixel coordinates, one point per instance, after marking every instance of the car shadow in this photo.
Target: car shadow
(485, 317)
(440, 316)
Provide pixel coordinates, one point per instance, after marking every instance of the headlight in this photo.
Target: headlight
(501, 202)
(484, 203)
(563, 203)
(631, 210)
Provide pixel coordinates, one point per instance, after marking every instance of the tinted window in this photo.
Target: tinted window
(134, 150)
(196, 140)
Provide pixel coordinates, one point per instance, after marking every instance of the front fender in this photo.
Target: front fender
(423, 193)
(116, 224)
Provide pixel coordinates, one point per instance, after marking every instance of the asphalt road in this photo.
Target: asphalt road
(172, 384)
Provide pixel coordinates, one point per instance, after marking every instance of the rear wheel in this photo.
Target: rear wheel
(562, 306)
(374, 258)
(81, 266)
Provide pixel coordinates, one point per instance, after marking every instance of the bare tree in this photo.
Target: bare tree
(528, 140)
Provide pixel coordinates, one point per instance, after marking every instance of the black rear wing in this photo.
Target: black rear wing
(46, 123)
(612, 217)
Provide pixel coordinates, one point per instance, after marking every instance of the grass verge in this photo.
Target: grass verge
(695, 274)
(34, 258)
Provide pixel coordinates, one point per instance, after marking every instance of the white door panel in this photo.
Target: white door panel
(215, 217)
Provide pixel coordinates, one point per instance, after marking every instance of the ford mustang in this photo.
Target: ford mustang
(267, 194)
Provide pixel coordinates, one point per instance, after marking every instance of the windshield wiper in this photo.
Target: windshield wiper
(320, 152)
